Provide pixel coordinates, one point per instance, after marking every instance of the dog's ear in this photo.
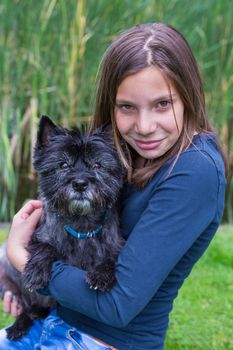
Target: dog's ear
(46, 128)
(105, 129)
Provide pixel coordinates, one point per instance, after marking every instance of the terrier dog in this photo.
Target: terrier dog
(80, 177)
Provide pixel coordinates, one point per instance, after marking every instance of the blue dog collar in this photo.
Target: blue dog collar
(79, 235)
(88, 234)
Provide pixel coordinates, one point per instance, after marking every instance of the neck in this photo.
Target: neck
(139, 162)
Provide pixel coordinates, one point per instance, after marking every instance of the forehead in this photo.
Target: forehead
(149, 83)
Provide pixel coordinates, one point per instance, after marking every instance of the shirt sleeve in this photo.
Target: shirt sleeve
(179, 210)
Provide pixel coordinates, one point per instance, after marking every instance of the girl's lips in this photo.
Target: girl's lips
(148, 145)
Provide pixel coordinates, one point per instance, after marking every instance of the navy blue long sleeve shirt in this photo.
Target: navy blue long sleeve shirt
(167, 226)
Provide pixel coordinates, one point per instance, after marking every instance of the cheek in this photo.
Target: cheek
(122, 123)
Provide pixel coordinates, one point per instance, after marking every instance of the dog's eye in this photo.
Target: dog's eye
(63, 165)
(96, 166)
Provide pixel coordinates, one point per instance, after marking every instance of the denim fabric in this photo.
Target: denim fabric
(52, 333)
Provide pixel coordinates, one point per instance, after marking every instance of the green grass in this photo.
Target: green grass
(202, 314)
(5, 319)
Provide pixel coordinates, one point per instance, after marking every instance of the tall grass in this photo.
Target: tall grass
(50, 51)
(8, 178)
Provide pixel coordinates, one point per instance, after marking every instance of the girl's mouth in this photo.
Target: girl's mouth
(148, 145)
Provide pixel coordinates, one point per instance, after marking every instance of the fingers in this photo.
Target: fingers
(7, 301)
(11, 304)
(27, 217)
(35, 217)
(30, 220)
(22, 228)
(15, 307)
(29, 208)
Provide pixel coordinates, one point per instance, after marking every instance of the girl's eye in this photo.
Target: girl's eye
(96, 166)
(164, 104)
(63, 165)
(126, 108)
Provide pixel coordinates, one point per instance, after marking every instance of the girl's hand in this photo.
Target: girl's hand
(23, 225)
(11, 304)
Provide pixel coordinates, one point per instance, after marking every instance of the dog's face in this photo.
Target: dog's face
(78, 173)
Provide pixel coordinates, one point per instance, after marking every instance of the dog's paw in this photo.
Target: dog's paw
(14, 333)
(102, 278)
(19, 328)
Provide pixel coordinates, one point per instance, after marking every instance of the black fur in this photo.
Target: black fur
(80, 176)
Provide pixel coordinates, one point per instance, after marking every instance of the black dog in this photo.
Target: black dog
(80, 177)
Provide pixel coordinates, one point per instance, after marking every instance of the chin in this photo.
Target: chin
(80, 206)
(149, 154)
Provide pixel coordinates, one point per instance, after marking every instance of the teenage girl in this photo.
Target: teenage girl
(151, 92)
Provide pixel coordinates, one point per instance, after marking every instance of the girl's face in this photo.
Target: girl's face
(144, 114)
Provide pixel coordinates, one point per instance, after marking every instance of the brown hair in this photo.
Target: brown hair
(160, 45)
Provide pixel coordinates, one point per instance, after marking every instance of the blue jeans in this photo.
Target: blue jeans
(52, 333)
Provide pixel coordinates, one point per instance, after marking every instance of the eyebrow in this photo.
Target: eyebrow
(157, 99)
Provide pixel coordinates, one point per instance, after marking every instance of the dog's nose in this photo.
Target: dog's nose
(79, 185)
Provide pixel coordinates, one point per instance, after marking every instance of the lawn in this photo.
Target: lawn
(202, 318)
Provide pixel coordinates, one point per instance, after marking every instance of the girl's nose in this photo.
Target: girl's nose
(145, 123)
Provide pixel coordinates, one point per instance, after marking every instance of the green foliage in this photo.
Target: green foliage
(50, 51)
(202, 314)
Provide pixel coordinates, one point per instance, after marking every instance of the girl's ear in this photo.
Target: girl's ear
(46, 129)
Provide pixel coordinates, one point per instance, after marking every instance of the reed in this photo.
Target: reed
(8, 177)
(50, 51)
(79, 36)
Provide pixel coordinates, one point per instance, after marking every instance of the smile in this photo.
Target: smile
(148, 145)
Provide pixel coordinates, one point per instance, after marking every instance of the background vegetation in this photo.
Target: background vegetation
(202, 314)
(50, 51)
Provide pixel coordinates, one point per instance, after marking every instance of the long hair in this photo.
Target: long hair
(145, 45)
